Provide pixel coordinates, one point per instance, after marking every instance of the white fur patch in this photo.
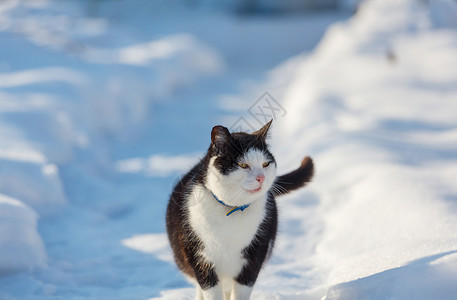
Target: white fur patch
(224, 237)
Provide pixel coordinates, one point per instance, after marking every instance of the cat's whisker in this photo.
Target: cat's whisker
(279, 187)
(278, 191)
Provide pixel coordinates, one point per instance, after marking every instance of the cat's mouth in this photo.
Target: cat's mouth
(255, 190)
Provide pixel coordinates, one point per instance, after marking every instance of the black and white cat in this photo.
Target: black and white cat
(222, 217)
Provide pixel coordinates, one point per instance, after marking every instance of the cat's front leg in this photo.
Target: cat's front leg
(208, 286)
(213, 293)
(199, 295)
(241, 292)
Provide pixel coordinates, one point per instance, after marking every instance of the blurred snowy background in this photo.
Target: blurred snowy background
(104, 103)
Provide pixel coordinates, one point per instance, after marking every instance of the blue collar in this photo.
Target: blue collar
(234, 208)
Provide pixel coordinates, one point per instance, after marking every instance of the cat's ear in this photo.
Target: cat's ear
(263, 132)
(220, 136)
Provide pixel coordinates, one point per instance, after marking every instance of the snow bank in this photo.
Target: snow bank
(432, 277)
(29, 177)
(68, 84)
(21, 247)
(375, 107)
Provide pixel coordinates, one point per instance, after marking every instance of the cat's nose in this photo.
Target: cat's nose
(260, 178)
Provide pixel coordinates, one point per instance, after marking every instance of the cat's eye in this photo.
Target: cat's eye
(266, 164)
(243, 165)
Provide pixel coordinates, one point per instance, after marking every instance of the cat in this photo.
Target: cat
(222, 217)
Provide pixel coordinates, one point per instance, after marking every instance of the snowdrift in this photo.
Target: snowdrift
(20, 245)
(375, 106)
(62, 94)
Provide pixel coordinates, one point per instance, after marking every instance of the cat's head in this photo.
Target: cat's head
(241, 168)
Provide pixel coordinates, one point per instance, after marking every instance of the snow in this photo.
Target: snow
(426, 278)
(158, 165)
(103, 106)
(155, 244)
(20, 244)
(376, 126)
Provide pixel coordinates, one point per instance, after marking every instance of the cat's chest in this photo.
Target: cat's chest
(224, 237)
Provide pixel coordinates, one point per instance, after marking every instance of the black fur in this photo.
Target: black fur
(229, 147)
(295, 179)
(184, 241)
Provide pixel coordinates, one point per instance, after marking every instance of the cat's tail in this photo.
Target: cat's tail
(295, 179)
